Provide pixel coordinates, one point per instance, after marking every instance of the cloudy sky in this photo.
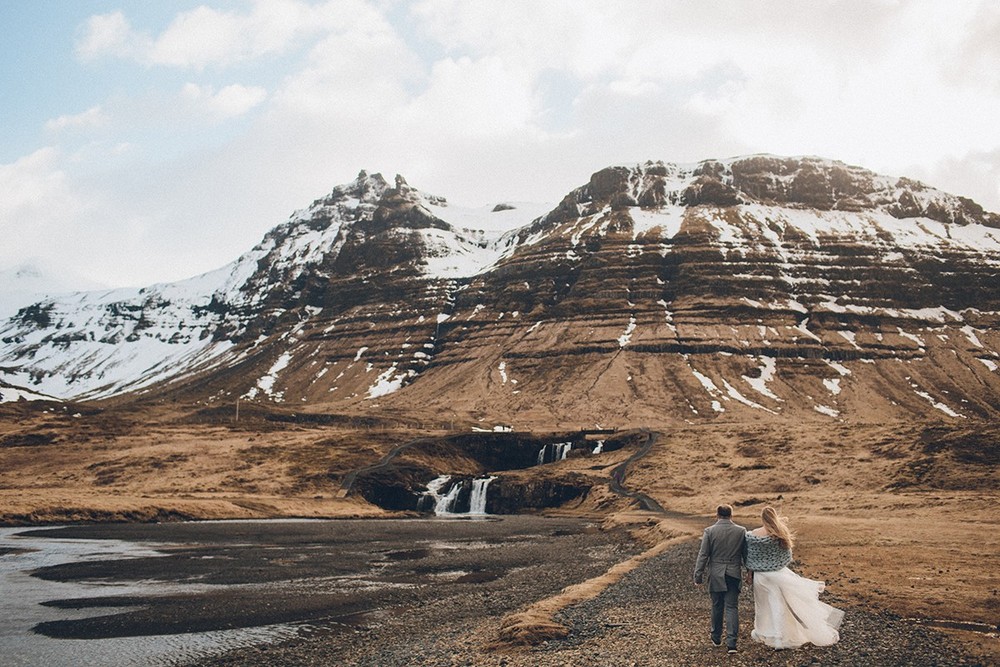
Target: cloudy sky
(151, 141)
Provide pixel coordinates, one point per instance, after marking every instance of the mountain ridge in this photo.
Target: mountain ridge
(370, 294)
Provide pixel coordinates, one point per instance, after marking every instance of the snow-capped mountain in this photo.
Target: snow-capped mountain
(97, 344)
(33, 281)
(754, 287)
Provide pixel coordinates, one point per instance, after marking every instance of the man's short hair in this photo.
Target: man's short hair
(724, 511)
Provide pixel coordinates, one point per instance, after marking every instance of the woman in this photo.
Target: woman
(787, 609)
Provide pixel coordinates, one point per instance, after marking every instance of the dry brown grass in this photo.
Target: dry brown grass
(537, 623)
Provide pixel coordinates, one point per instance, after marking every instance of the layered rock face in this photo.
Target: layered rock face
(637, 298)
(754, 288)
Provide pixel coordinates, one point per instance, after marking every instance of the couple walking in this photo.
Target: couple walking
(787, 610)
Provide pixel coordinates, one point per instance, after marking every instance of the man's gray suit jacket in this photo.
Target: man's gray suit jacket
(723, 546)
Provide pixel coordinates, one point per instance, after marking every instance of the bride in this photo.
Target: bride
(787, 610)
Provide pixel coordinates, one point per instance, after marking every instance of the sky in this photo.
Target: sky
(144, 142)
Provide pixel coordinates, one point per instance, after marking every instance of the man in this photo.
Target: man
(723, 547)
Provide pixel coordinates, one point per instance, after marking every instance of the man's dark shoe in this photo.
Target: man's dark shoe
(716, 642)
(731, 650)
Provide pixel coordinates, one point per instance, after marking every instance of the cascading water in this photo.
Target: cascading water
(446, 504)
(477, 503)
(556, 451)
(599, 448)
(442, 494)
(443, 503)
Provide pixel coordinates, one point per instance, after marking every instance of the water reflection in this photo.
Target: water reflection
(24, 594)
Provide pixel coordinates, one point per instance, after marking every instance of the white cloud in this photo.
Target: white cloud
(118, 228)
(231, 101)
(884, 84)
(30, 183)
(360, 70)
(975, 175)
(92, 117)
(109, 34)
(976, 60)
(205, 36)
(39, 208)
(587, 39)
(468, 97)
(489, 100)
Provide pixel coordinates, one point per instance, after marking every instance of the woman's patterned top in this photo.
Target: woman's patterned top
(765, 554)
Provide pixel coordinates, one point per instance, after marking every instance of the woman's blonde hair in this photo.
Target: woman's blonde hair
(777, 527)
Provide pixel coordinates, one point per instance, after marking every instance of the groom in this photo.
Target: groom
(723, 547)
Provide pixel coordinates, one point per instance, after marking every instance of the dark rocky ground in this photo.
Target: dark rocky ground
(395, 593)
(654, 617)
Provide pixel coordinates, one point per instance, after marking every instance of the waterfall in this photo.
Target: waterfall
(599, 448)
(443, 504)
(557, 451)
(562, 450)
(477, 504)
(442, 494)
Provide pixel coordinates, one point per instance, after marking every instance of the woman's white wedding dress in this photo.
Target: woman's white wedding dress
(788, 612)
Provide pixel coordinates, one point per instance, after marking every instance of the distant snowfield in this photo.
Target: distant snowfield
(29, 283)
(111, 341)
(477, 241)
(494, 223)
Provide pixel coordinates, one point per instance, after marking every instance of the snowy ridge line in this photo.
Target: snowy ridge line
(105, 343)
(101, 343)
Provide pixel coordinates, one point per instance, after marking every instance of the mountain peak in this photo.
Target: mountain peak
(366, 187)
(806, 182)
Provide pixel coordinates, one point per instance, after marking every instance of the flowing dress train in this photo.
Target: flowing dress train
(788, 612)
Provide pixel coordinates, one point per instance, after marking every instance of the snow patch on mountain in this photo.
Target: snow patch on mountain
(938, 405)
(766, 374)
(33, 281)
(667, 219)
(737, 396)
(826, 410)
(97, 344)
(626, 336)
(712, 389)
(9, 394)
(388, 382)
(266, 382)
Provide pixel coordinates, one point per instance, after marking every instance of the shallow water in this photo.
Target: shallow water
(23, 596)
(190, 584)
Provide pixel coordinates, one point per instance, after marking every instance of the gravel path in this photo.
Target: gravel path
(653, 617)
(657, 617)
